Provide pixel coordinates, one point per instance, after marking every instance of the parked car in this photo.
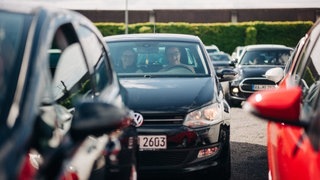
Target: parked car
(186, 125)
(293, 113)
(221, 61)
(62, 109)
(252, 65)
(237, 53)
(212, 48)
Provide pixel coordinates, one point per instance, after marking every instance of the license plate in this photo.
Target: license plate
(262, 87)
(152, 142)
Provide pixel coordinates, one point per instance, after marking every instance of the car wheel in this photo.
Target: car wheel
(225, 169)
(235, 103)
(231, 102)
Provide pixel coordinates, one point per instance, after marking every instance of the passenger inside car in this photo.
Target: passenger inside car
(258, 59)
(128, 61)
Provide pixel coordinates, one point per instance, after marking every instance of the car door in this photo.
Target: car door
(107, 88)
(291, 154)
(59, 86)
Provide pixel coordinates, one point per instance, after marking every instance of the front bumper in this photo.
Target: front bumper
(183, 148)
(241, 90)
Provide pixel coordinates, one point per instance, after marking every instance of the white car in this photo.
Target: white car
(212, 49)
(237, 52)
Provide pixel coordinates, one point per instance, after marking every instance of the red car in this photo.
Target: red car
(293, 112)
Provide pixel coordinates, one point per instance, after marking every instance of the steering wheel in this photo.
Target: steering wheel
(180, 68)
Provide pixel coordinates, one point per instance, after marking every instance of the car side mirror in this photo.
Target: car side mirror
(275, 74)
(97, 118)
(232, 64)
(226, 75)
(274, 105)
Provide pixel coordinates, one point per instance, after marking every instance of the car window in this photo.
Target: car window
(13, 34)
(295, 55)
(219, 57)
(71, 79)
(97, 58)
(151, 57)
(310, 80)
(265, 57)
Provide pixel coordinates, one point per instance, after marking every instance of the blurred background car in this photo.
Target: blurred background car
(212, 48)
(221, 60)
(186, 118)
(51, 61)
(293, 133)
(253, 63)
(237, 53)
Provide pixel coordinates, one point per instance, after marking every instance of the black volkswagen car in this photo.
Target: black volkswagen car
(186, 125)
(251, 67)
(60, 99)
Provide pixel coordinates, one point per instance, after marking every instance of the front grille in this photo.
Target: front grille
(246, 85)
(162, 158)
(162, 119)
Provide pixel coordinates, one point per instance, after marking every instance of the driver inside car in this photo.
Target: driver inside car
(173, 55)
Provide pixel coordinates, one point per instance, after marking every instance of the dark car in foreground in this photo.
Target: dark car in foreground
(293, 114)
(251, 67)
(186, 124)
(62, 108)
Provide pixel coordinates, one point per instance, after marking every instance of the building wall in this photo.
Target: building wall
(277, 15)
(204, 16)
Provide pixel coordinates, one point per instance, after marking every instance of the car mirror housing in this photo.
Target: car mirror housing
(232, 64)
(97, 118)
(275, 105)
(226, 75)
(275, 74)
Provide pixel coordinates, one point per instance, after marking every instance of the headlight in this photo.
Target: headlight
(205, 116)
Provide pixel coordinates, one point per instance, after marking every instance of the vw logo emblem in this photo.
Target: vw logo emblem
(138, 119)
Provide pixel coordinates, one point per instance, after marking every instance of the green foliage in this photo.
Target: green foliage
(226, 36)
(251, 35)
(145, 29)
(108, 29)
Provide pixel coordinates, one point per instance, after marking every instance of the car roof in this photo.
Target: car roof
(221, 52)
(153, 36)
(36, 8)
(265, 46)
(212, 47)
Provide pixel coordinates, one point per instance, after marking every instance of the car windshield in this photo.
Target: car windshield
(158, 58)
(219, 57)
(265, 57)
(12, 36)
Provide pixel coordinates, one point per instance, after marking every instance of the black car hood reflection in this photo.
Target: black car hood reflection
(168, 94)
(255, 70)
(221, 63)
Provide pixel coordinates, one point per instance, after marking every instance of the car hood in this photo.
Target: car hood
(168, 94)
(254, 71)
(221, 63)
